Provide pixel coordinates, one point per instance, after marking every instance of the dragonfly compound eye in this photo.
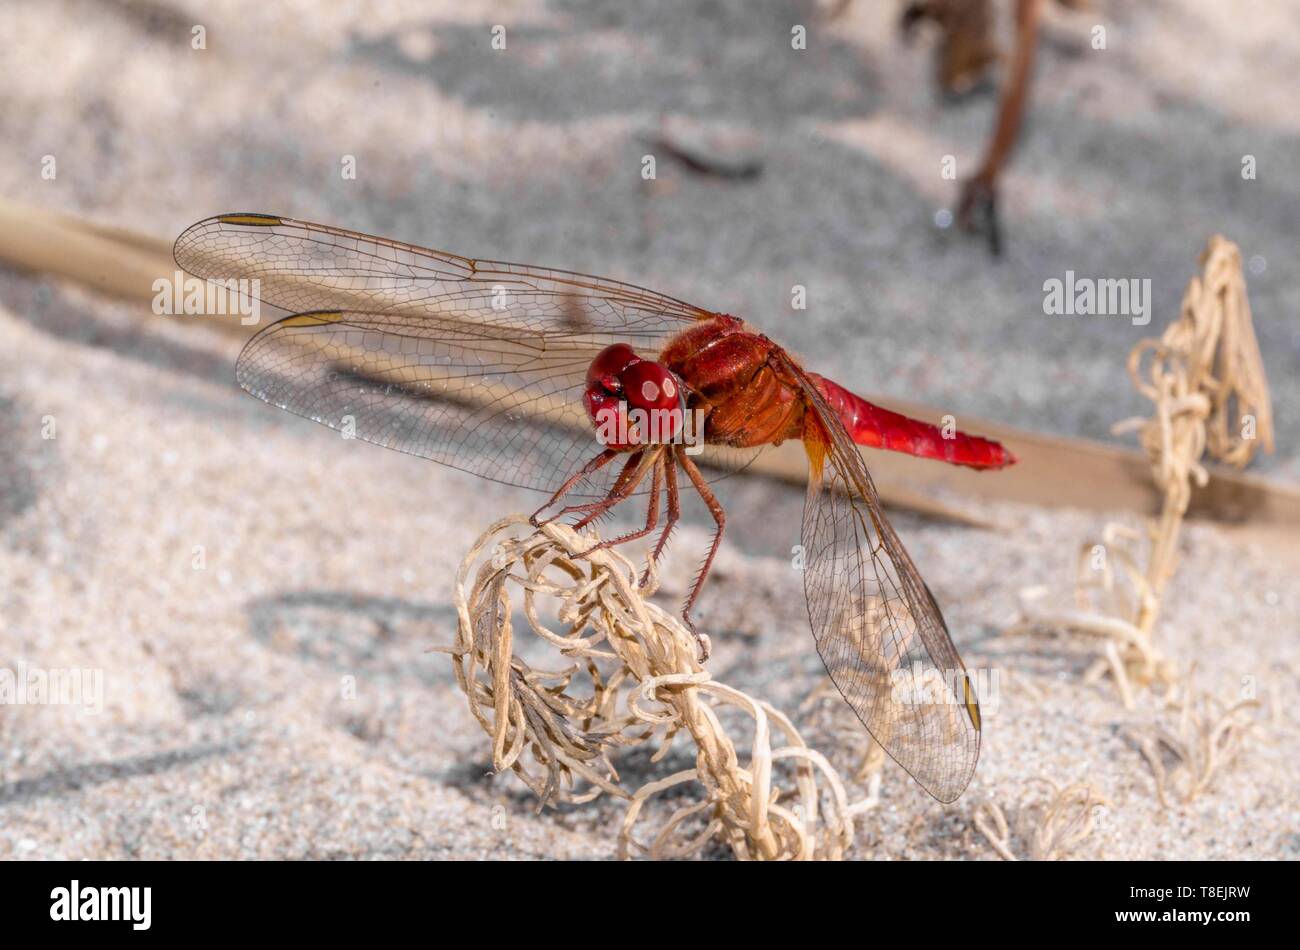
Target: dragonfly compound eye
(609, 363)
(603, 397)
(652, 389)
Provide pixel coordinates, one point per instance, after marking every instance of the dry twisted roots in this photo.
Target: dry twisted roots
(631, 677)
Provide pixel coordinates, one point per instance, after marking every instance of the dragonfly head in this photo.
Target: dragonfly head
(633, 402)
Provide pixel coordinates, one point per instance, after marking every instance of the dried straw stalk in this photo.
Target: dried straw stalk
(631, 677)
(1051, 828)
(1206, 380)
(1204, 742)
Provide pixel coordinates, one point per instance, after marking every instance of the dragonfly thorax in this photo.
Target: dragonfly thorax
(632, 402)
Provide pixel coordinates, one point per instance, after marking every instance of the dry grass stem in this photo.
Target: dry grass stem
(1206, 381)
(1204, 741)
(1052, 829)
(629, 676)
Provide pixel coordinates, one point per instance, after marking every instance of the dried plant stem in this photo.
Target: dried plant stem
(630, 677)
(991, 822)
(977, 206)
(1205, 372)
(1208, 736)
(1052, 829)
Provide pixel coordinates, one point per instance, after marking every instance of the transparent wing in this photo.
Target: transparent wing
(476, 364)
(506, 409)
(877, 626)
(302, 266)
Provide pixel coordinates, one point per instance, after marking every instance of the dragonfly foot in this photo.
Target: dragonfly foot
(701, 639)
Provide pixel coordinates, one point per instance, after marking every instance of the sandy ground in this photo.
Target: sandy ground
(226, 566)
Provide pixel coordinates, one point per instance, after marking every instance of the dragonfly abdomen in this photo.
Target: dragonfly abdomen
(873, 426)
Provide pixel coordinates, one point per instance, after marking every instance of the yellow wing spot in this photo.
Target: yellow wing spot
(972, 705)
(254, 220)
(312, 319)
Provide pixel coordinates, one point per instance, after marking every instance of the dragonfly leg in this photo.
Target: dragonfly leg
(652, 513)
(602, 504)
(720, 518)
(600, 461)
(674, 513)
(627, 480)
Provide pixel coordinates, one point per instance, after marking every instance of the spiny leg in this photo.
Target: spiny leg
(720, 518)
(674, 513)
(593, 510)
(620, 492)
(657, 465)
(600, 461)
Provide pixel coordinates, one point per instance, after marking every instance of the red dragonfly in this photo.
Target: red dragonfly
(504, 369)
